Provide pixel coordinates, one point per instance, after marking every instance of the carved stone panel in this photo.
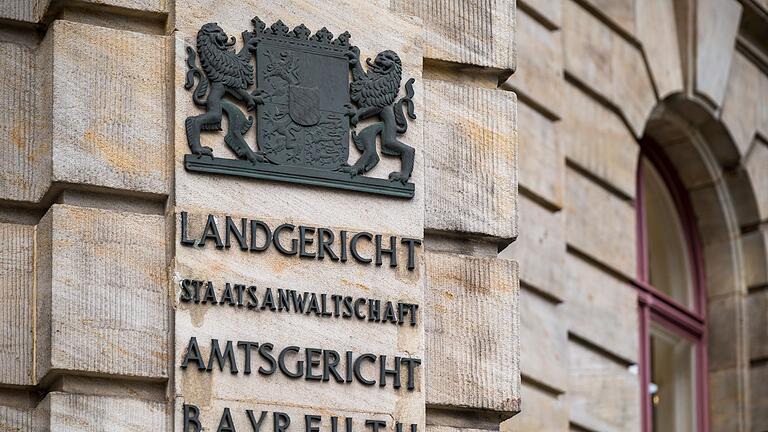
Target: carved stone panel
(296, 297)
(305, 106)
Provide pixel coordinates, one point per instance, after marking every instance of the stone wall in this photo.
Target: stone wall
(593, 78)
(85, 138)
(545, 97)
(92, 141)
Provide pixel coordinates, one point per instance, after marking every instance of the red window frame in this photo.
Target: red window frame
(657, 307)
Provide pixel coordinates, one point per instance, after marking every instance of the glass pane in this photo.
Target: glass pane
(668, 265)
(672, 382)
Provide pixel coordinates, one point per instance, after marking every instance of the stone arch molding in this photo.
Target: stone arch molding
(708, 162)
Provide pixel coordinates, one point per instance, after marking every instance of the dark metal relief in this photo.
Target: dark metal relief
(305, 107)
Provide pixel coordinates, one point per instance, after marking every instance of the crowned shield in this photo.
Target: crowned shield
(305, 87)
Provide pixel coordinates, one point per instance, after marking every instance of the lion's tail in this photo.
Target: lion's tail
(192, 73)
(402, 124)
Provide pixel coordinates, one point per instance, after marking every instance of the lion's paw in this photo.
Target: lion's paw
(203, 151)
(351, 170)
(399, 176)
(258, 157)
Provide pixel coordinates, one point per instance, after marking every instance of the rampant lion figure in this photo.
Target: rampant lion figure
(226, 73)
(374, 93)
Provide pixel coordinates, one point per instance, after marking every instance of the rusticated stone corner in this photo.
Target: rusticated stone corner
(16, 274)
(101, 303)
(76, 412)
(25, 11)
(25, 159)
(472, 332)
(470, 155)
(110, 114)
(475, 32)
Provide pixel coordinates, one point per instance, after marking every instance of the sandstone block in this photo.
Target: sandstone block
(631, 88)
(726, 398)
(742, 103)
(540, 75)
(744, 201)
(440, 428)
(211, 413)
(620, 12)
(601, 309)
(720, 260)
(542, 411)
(471, 160)
(24, 159)
(475, 32)
(75, 412)
(725, 318)
(542, 157)
(587, 48)
(657, 30)
(758, 175)
(15, 419)
(102, 303)
(602, 394)
(717, 24)
(473, 363)
(762, 124)
(374, 28)
(755, 253)
(543, 235)
(608, 64)
(710, 212)
(29, 11)
(597, 140)
(17, 273)
(690, 165)
(600, 224)
(544, 336)
(324, 277)
(757, 317)
(110, 113)
(151, 6)
(549, 11)
(758, 376)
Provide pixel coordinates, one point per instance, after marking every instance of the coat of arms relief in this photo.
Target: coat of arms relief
(304, 93)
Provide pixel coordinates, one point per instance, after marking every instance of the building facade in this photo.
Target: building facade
(626, 109)
(561, 223)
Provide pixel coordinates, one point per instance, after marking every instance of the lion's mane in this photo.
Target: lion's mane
(381, 87)
(221, 64)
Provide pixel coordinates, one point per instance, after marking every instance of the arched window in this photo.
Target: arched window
(671, 304)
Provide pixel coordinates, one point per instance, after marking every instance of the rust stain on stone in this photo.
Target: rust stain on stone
(160, 355)
(117, 157)
(216, 267)
(38, 150)
(439, 308)
(363, 287)
(278, 266)
(17, 137)
(14, 181)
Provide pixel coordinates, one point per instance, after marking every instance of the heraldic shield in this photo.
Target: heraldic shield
(303, 120)
(305, 107)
